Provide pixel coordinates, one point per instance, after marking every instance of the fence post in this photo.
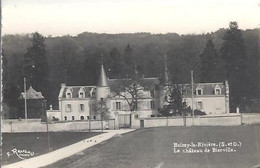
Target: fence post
(241, 118)
(48, 135)
(11, 126)
(114, 124)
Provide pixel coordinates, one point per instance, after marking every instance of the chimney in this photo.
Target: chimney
(63, 85)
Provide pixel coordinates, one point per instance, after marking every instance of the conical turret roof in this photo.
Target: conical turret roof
(102, 80)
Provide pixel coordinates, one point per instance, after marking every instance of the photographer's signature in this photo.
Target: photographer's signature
(22, 154)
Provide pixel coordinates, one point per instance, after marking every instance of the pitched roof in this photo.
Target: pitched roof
(75, 91)
(32, 94)
(207, 88)
(147, 83)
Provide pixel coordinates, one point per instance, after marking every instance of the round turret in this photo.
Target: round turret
(102, 85)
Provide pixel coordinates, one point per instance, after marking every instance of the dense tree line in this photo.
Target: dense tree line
(75, 60)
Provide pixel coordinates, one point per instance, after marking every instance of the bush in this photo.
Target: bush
(159, 115)
(55, 119)
(198, 112)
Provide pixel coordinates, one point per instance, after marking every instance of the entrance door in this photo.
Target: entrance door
(124, 120)
(141, 123)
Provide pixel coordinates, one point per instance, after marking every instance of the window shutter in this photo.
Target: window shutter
(126, 106)
(148, 106)
(114, 106)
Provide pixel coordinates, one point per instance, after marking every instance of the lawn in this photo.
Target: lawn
(154, 147)
(35, 144)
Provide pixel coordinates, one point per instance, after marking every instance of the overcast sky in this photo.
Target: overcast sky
(62, 17)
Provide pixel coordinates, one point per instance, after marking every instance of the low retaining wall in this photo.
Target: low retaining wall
(5, 121)
(220, 120)
(55, 127)
(250, 118)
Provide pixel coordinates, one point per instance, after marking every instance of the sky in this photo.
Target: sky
(63, 17)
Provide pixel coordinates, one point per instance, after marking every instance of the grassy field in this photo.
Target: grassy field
(154, 147)
(37, 143)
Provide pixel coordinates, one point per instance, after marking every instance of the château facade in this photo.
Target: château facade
(79, 102)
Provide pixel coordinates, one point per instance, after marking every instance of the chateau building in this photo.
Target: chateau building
(79, 102)
(211, 98)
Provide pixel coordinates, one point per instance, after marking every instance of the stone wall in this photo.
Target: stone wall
(22, 126)
(209, 120)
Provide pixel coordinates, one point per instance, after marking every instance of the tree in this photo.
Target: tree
(115, 63)
(184, 57)
(91, 68)
(35, 65)
(102, 110)
(210, 64)
(174, 104)
(234, 54)
(130, 90)
(253, 62)
(11, 91)
(129, 62)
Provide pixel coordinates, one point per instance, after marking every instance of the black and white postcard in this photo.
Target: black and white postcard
(130, 84)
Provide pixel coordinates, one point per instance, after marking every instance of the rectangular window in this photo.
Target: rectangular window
(200, 105)
(118, 105)
(68, 95)
(218, 105)
(80, 95)
(152, 105)
(199, 92)
(68, 108)
(217, 92)
(92, 107)
(152, 93)
(81, 107)
(184, 103)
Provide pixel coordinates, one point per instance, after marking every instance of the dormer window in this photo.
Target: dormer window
(69, 93)
(93, 92)
(199, 91)
(81, 92)
(217, 90)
